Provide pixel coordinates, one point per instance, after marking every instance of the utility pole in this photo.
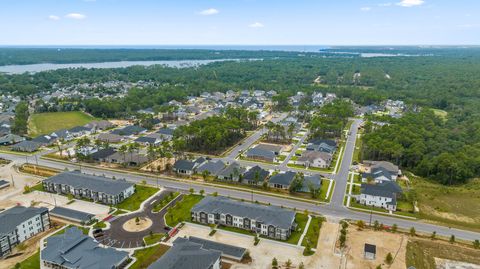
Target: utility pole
(252, 196)
(371, 212)
(13, 182)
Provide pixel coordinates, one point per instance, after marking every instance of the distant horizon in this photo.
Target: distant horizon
(238, 22)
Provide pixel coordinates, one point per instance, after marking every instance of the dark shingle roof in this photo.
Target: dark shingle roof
(129, 130)
(11, 218)
(95, 183)
(370, 248)
(73, 249)
(184, 165)
(211, 166)
(386, 189)
(226, 250)
(187, 255)
(257, 152)
(166, 131)
(71, 214)
(146, 139)
(250, 174)
(102, 154)
(269, 215)
(26, 146)
(283, 178)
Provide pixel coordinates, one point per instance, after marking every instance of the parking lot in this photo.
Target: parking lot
(118, 237)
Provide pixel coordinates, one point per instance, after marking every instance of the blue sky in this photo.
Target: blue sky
(241, 22)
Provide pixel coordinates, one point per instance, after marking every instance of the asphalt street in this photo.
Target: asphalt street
(334, 210)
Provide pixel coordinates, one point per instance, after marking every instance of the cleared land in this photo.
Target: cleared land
(421, 253)
(447, 204)
(46, 123)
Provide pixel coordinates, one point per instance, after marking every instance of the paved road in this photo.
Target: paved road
(294, 150)
(117, 237)
(335, 209)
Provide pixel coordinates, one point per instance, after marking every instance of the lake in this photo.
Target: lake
(34, 68)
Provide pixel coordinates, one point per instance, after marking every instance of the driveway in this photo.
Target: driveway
(118, 237)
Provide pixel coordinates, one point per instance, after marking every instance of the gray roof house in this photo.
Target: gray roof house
(26, 146)
(110, 138)
(188, 255)
(73, 249)
(255, 176)
(101, 155)
(231, 172)
(382, 195)
(380, 171)
(314, 159)
(322, 145)
(271, 221)
(99, 125)
(281, 180)
(213, 167)
(97, 188)
(10, 139)
(258, 153)
(130, 159)
(45, 140)
(187, 167)
(313, 181)
(147, 140)
(129, 130)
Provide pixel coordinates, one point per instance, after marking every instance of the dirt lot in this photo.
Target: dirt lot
(20, 180)
(263, 253)
(386, 242)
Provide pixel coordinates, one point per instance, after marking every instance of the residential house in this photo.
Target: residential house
(96, 126)
(19, 223)
(129, 130)
(187, 167)
(127, 158)
(166, 133)
(314, 159)
(186, 254)
(71, 215)
(102, 154)
(380, 171)
(110, 138)
(73, 249)
(322, 145)
(213, 167)
(311, 182)
(97, 188)
(282, 180)
(228, 251)
(231, 172)
(264, 152)
(383, 195)
(271, 221)
(148, 140)
(45, 140)
(62, 134)
(26, 146)
(255, 176)
(78, 131)
(11, 139)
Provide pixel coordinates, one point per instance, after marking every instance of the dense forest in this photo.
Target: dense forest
(447, 79)
(214, 134)
(331, 120)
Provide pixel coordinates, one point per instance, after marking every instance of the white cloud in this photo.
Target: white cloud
(208, 12)
(256, 25)
(53, 18)
(410, 3)
(385, 4)
(365, 8)
(75, 16)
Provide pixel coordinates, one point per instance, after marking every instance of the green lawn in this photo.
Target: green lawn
(236, 230)
(32, 262)
(46, 123)
(147, 256)
(181, 211)
(301, 220)
(357, 150)
(141, 194)
(154, 238)
(313, 232)
(324, 189)
(100, 225)
(162, 203)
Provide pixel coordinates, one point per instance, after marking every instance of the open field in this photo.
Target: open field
(455, 206)
(46, 123)
(33, 262)
(440, 113)
(421, 253)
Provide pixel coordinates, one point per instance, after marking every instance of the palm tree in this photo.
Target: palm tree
(123, 149)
